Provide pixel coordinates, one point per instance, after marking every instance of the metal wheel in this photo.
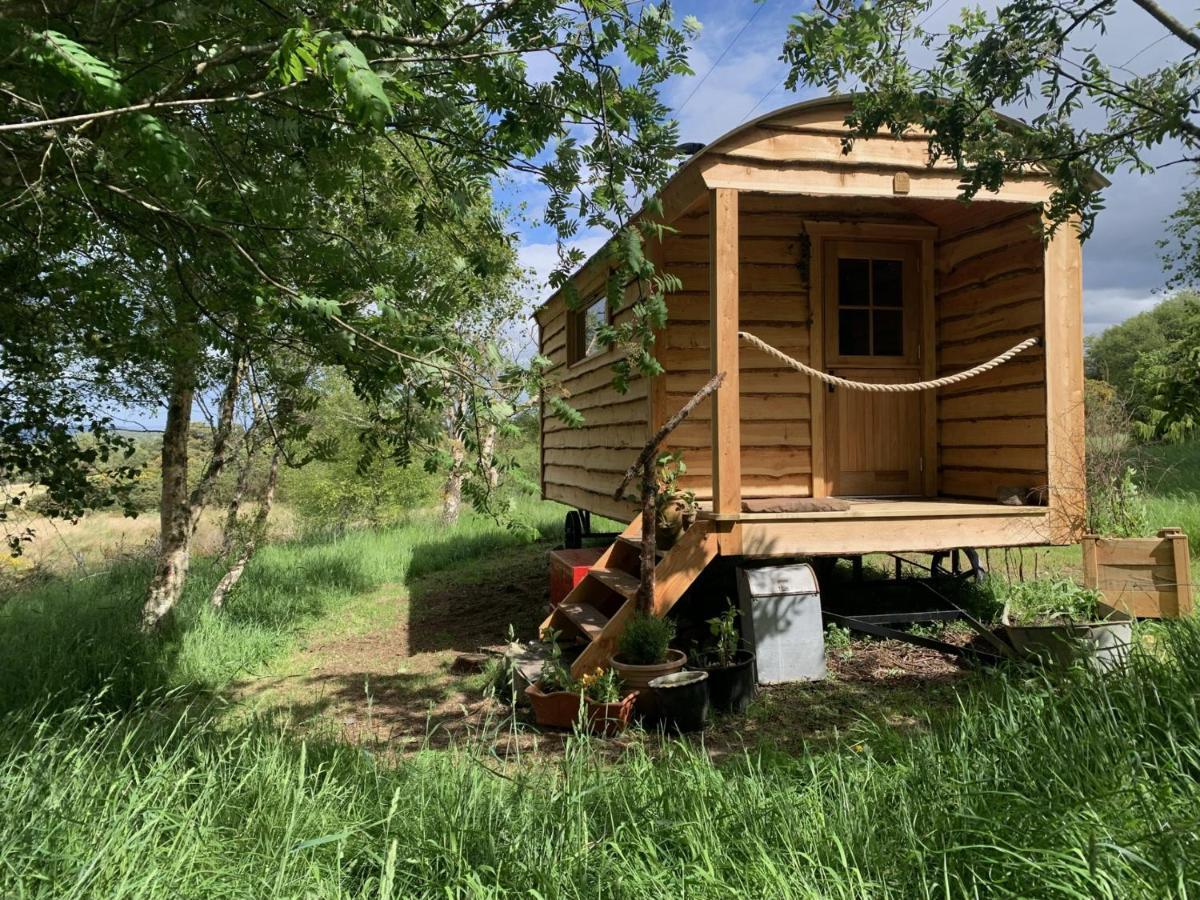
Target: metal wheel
(573, 530)
(974, 571)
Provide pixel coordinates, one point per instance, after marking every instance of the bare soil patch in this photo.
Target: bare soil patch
(390, 688)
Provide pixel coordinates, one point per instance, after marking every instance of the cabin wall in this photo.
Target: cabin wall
(989, 290)
(773, 292)
(581, 467)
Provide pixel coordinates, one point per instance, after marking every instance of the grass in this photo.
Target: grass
(1173, 489)
(1078, 786)
(66, 637)
(119, 779)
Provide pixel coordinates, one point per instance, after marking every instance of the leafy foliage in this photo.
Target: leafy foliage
(724, 629)
(645, 640)
(265, 182)
(1022, 54)
(1050, 600)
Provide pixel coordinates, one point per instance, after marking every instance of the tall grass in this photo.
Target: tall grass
(1174, 488)
(67, 637)
(1081, 786)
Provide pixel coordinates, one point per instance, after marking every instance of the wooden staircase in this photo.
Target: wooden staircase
(598, 608)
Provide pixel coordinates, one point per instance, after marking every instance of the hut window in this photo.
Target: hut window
(870, 307)
(585, 329)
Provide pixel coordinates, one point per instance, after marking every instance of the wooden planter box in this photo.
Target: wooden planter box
(560, 709)
(1145, 577)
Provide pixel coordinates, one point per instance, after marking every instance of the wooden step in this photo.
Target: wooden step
(622, 582)
(636, 544)
(585, 617)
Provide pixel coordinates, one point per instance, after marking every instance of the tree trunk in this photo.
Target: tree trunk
(257, 532)
(487, 452)
(229, 532)
(175, 520)
(649, 557)
(180, 511)
(452, 491)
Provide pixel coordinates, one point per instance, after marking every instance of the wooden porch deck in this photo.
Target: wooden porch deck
(881, 526)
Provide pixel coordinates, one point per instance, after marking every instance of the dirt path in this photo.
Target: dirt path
(380, 674)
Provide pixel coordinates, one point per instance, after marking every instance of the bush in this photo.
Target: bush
(645, 640)
(1051, 599)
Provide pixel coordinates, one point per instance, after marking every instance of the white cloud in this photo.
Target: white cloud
(1103, 307)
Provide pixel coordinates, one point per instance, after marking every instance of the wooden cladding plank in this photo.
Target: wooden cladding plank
(601, 459)
(607, 395)
(1029, 401)
(755, 278)
(752, 249)
(690, 360)
(957, 357)
(631, 412)
(999, 259)
(731, 174)
(754, 434)
(1017, 372)
(984, 483)
(992, 433)
(760, 382)
(754, 407)
(759, 464)
(600, 504)
(1021, 319)
(788, 306)
(1028, 458)
(614, 437)
(955, 250)
(782, 145)
(688, 336)
(981, 297)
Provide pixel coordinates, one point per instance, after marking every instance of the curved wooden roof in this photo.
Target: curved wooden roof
(798, 149)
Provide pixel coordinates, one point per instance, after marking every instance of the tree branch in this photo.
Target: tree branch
(671, 424)
(1173, 25)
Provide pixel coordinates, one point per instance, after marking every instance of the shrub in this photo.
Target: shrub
(1050, 599)
(645, 640)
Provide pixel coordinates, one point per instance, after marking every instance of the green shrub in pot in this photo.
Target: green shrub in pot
(645, 640)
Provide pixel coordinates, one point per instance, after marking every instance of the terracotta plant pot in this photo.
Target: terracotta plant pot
(608, 719)
(638, 678)
(557, 709)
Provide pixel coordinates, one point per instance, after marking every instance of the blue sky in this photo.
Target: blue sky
(1122, 271)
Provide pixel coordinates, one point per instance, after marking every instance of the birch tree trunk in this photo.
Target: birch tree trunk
(488, 453)
(174, 534)
(452, 491)
(258, 531)
(180, 511)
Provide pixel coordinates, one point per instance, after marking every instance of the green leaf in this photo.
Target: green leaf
(95, 77)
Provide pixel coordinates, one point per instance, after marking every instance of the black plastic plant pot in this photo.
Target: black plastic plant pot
(731, 688)
(682, 700)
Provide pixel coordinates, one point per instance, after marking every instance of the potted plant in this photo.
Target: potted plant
(730, 668)
(644, 653)
(1056, 621)
(675, 509)
(609, 708)
(555, 696)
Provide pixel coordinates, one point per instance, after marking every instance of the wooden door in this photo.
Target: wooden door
(873, 315)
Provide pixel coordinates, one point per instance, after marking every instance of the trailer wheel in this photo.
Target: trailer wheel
(974, 572)
(573, 530)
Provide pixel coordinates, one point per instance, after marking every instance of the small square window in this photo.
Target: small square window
(870, 296)
(585, 329)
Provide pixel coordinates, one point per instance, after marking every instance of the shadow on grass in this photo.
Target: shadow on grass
(474, 603)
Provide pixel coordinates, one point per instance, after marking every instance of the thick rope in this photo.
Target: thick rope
(886, 388)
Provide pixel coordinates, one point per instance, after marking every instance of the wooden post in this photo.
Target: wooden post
(1067, 495)
(723, 317)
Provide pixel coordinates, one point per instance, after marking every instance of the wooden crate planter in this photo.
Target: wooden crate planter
(1146, 577)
